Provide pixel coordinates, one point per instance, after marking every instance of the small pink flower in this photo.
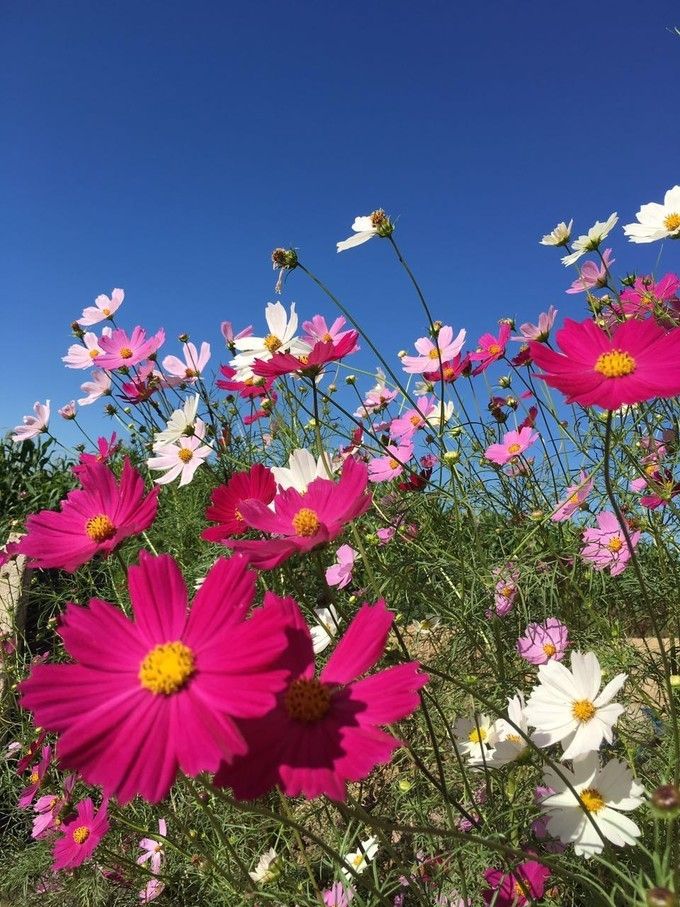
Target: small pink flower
(35, 780)
(514, 444)
(248, 389)
(383, 469)
(83, 355)
(68, 410)
(152, 848)
(606, 546)
(451, 370)
(490, 349)
(193, 365)
(386, 534)
(123, 351)
(33, 425)
(541, 642)
(317, 331)
(506, 589)
(310, 364)
(103, 308)
(508, 889)
(541, 331)
(646, 296)
(229, 335)
(337, 895)
(49, 809)
(592, 275)
(98, 386)
(81, 836)
(153, 889)
(340, 574)
(405, 426)
(431, 353)
(377, 399)
(576, 496)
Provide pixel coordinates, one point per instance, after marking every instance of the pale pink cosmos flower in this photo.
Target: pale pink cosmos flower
(540, 331)
(386, 534)
(377, 399)
(33, 425)
(382, 469)
(541, 642)
(153, 889)
(340, 573)
(83, 355)
(430, 357)
(606, 546)
(428, 412)
(317, 331)
(576, 496)
(593, 274)
(49, 808)
(194, 363)
(505, 590)
(229, 336)
(513, 444)
(98, 386)
(103, 308)
(152, 849)
(181, 459)
(338, 895)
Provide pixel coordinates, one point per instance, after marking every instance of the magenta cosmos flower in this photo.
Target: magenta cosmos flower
(302, 521)
(147, 697)
(35, 779)
(325, 731)
(251, 387)
(639, 361)
(80, 836)
(383, 469)
(310, 364)
(317, 330)
(508, 889)
(256, 484)
(513, 444)
(541, 642)
(647, 297)
(94, 519)
(121, 350)
(490, 349)
(431, 354)
(606, 546)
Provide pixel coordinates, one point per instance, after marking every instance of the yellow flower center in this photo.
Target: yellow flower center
(167, 668)
(327, 338)
(549, 649)
(378, 218)
(573, 499)
(514, 448)
(615, 545)
(393, 464)
(35, 778)
(358, 860)
(434, 353)
(125, 353)
(477, 735)
(81, 834)
(306, 522)
(272, 342)
(592, 799)
(615, 364)
(416, 420)
(449, 373)
(495, 349)
(94, 353)
(518, 891)
(307, 700)
(672, 222)
(507, 591)
(190, 373)
(583, 710)
(185, 454)
(100, 528)
(106, 312)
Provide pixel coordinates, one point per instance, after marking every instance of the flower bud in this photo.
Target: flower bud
(68, 411)
(77, 330)
(110, 409)
(267, 405)
(401, 354)
(332, 388)
(183, 338)
(666, 801)
(505, 381)
(381, 222)
(451, 457)
(351, 379)
(660, 897)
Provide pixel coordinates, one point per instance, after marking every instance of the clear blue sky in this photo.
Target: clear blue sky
(167, 147)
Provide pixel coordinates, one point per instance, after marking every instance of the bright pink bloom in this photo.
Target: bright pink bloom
(606, 546)
(251, 387)
(340, 573)
(386, 534)
(505, 889)
(38, 772)
(405, 426)
(541, 642)
(94, 519)
(256, 484)
(431, 354)
(30, 753)
(540, 331)
(49, 809)
(264, 412)
(80, 836)
(98, 386)
(106, 448)
(490, 349)
(317, 331)
(325, 731)
(646, 297)
(337, 895)
(640, 361)
(121, 351)
(312, 363)
(193, 365)
(451, 370)
(592, 274)
(383, 469)
(103, 308)
(514, 444)
(33, 425)
(157, 694)
(576, 496)
(228, 333)
(660, 485)
(301, 522)
(83, 355)
(143, 384)
(506, 589)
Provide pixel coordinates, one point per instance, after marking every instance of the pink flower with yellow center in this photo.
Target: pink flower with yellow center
(81, 836)
(524, 885)
(576, 496)
(383, 469)
(123, 351)
(309, 364)
(103, 308)
(541, 642)
(432, 353)
(490, 348)
(33, 425)
(193, 365)
(85, 354)
(605, 546)
(35, 779)
(256, 484)
(317, 331)
(513, 444)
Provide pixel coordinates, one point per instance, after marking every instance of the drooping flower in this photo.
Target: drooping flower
(83, 355)
(657, 221)
(576, 496)
(301, 522)
(560, 236)
(123, 351)
(539, 332)
(590, 241)
(367, 227)
(93, 519)
(340, 573)
(152, 848)
(593, 275)
(392, 464)
(606, 546)
(309, 364)
(33, 425)
(638, 362)
(268, 867)
(606, 792)
(38, 772)
(181, 459)
(281, 337)
(431, 353)
(323, 633)
(147, 697)
(325, 730)
(543, 642)
(193, 365)
(506, 588)
(360, 858)
(103, 308)
(98, 386)
(80, 836)
(302, 470)
(510, 889)
(490, 348)
(182, 423)
(153, 889)
(257, 484)
(514, 444)
(568, 707)
(146, 381)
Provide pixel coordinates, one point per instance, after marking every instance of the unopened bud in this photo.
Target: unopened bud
(451, 457)
(351, 379)
(77, 330)
(332, 388)
(505, 381)
(402, 353)
(509, 321)
(267, 405)
(666, 801)
(183, 338)
(110, 409)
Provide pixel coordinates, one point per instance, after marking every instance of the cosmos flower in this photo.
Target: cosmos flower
(230, 337)
(657, 221)
(446, 348)
(193, 365)
(123, 351)
(392, 464)
(181, 459)
(35, 779)
(377, 399)
(323, 633)
(257, 484)
(367, 227)
(541, 642)
(507, 889)
(268, 867)
(647, 296)
(83, 355)
(317, 331)
(248, 389)
(302, 470)
(340, 573)
(310, 364)
(360, 858)
(513, 444)
(80, 836)
(541, 331)
(338, 895)
(505, 743)
(183, 423)
(560, 236)
(506, 588)
(473, 736)
(591, 240)
(490, 348)
(606, 546)
(103, 308)
(98, 386)
(152, 849)
(592, 274)
(281, 337)
(576, 496)
(33, 425)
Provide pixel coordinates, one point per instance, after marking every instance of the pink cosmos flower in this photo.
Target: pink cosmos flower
(310, 364)
(83, 355)
(317, 331)
(103, 308)
(106, 448)
(383, 469)
(505, 889)
(80, 836)
(576, 496)
(451, 370)
(646, 296)
(386, 534)
(340, 573)
(490, 349)
(325, 731)
(153, 852)
(264, 412)
(541, 642)
(148, 696)
(660, 484)
(68, 410)
(229, 336)
(33, 425)
(123, 351)
(513, 444)
(406, 425)
(98, 386)
(92, 520)
(337, 895)
(38, 772)
(251, 387)
(153, 889)
(606, 547)
(256, 484)
(506, 589)
(181, 459)
(48, 810)
(377, 399)
(592, 275)
(30, 753)
(539, 332)
(144, 383)
(302, 521)
(193, 365)
(640, 361)
(430, 357)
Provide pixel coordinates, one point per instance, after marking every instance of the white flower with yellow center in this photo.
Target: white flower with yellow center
(560, 236)
(280, 339)
(474, 736)
(367, 227)
(182, 424)
(592, 239)
(507, 744)
(657, 221)
(606, 792)
(268, 867)
(302, 469)
(359, 859)
(568, 707)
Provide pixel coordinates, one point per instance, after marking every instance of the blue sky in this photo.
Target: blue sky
(167, 147)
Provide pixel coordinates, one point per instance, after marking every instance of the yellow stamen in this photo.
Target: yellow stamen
(306, 522)
(190, 373)
(35, 778)
(185, 454)
(672, 222)
(106, 312)
(378, 218)
(615, 364)
(100, 528)
(81, 834)
(549, 649)
(167, 668)
(583, 710)
(615, 545)
(327, 338)
(93, 353)
(416, 420)
(495, 349)
(514, 448)
(272, 343)
(393, 464)
(434, 353)
(478, 736)
(125, 353)
(592, 799)
(307, 700)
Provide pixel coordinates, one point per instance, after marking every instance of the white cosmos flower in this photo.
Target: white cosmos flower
(567, 705)
(281, 338)
(326, 629)
(375, 224)
(507, 745)
(657, 221)
(267, 868)
(560, 236)
(181, 459)
(473, 736)
(182, 423)
(301, 470)
(359, 859)
(435, 417)
(592, 239)
(606, 791)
